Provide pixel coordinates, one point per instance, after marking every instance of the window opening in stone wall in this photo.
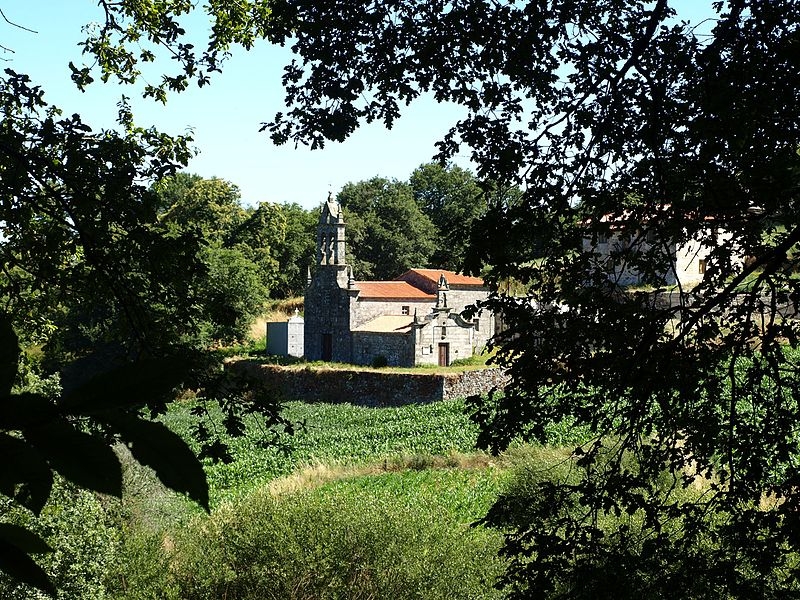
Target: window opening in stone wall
(701, 266)
(405, 310)
(476, 323)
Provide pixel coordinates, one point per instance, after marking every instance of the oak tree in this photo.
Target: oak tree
(239, 248)
(452, 199)
(387, 232)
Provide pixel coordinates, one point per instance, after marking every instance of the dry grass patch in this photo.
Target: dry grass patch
(319, 473)
(275, 311)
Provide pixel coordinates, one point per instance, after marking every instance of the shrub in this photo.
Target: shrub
(479, 358)
(399, 535)
(141, 569)
(84, 542)
(619, 560)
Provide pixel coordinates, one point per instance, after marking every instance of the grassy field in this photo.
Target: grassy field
(361, 503)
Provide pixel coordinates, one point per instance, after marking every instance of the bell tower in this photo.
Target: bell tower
(329, 291)
(330, 234)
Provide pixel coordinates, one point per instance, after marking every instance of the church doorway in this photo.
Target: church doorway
(444, 355)
(327, 347)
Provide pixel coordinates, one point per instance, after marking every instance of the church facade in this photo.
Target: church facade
(421, 317)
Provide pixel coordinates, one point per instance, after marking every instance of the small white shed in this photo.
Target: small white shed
(285, 338)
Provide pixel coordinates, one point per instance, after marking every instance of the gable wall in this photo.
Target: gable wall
(364, 311)
(461, 341)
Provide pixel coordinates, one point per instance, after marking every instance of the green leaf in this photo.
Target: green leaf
(25, 475)
(80, 457)
(15, 544)
(25, 540)
(9, 354)
(130, 385)
(154, 445)
(20, 411)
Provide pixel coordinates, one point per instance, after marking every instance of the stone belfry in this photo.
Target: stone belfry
(330, 234)
(328, 297)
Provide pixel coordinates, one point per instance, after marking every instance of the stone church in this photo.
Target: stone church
(418, 318)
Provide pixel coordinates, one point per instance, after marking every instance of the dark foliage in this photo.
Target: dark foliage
(452, 200)
(296, 254)
(90, 272)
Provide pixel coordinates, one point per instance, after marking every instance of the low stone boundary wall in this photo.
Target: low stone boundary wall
(473, 383)
(368, 388)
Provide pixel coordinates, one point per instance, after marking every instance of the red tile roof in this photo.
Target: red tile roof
(391, 290)
(452, 277)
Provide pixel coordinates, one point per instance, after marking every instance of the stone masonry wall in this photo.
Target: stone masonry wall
(368, 388)
(473, 383)
(396, 348)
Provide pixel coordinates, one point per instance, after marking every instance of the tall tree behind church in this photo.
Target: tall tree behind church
(451, 198)
(239, 249)
(387, 232)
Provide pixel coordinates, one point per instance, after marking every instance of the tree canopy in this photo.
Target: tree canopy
(239, 248)
(387, 232)
(115, 298)
(296, 254)
(81, 246)
(451, 197)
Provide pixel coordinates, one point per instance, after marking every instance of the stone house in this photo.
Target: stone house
(688, 260)
(421, 317)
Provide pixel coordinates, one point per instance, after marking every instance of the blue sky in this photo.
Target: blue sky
(225, 116)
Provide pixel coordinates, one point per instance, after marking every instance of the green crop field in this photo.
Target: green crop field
(340, 435)
(358, 503)
(382, 500)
